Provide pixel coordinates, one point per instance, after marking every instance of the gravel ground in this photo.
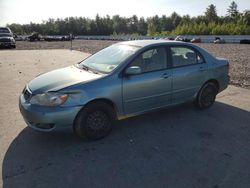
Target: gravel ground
(88, 46)
(237, 54)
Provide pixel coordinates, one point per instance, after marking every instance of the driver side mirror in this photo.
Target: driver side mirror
(133, 70)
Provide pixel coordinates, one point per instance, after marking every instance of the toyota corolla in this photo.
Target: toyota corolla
(120, 81)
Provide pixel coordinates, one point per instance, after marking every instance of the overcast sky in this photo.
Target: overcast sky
(25, 11)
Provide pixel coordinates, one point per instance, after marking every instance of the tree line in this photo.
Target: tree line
(234, 23)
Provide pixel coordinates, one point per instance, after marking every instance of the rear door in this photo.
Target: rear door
(189, 72)
(152, 88)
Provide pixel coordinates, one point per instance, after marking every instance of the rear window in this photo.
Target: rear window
(4, 30)
(182, 56)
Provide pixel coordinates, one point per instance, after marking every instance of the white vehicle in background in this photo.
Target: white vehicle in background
(219, 40)
(182, 39)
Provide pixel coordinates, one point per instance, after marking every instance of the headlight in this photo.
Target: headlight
(49, 99)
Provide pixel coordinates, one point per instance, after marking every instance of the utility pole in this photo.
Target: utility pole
(71, 36)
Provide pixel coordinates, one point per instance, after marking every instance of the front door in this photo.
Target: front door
(152, 88)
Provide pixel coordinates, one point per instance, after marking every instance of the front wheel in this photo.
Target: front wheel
(95, 121)
(206, 96)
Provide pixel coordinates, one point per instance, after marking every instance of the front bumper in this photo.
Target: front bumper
(7, 44)
(47, 119)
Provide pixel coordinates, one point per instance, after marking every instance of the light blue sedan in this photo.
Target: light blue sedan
(120, 81)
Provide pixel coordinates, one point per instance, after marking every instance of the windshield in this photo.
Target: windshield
(4, 30)
(5, 35)
(109, 58)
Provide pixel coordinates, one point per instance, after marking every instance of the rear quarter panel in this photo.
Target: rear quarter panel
(217, 69)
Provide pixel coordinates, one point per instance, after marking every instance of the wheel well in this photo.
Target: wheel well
(214, 82)
(107, 101)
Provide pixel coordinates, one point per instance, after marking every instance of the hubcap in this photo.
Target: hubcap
(97, 120)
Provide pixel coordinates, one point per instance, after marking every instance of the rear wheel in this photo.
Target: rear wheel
(95, 121)
(206, 96)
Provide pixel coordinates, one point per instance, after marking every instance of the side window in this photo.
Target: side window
(182, 56)
(151, 60)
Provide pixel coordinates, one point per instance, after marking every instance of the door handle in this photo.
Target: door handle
(165, 76)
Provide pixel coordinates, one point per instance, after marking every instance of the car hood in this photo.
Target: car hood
(60, 78)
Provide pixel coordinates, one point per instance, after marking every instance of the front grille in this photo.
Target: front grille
(27, 94)
(5, 40)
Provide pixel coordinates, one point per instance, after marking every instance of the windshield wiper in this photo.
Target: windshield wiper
(84, 67)
(94, 71)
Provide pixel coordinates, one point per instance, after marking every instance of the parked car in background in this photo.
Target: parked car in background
(51, 38)
(6, 38)
(120, 81)
(35, 37)
(182, 39)
(59, 38)
(169, 38)
(196, 40)
(244, 41)
(20, 38)
(219, 40)
(70, 37)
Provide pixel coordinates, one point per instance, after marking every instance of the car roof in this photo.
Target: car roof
(150, 43)
(143, 43)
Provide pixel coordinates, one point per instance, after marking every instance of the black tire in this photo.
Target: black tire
(94, 121)
(206, 96)
(244, 41)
